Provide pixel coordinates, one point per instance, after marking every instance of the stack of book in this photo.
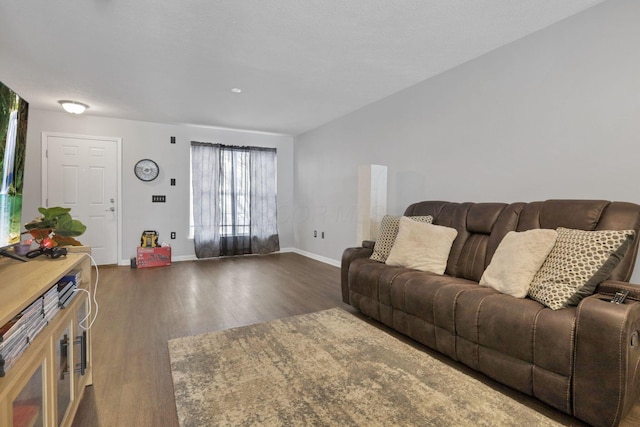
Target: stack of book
(67, 286)
(35, 318)
(51, 304)
(16, 335)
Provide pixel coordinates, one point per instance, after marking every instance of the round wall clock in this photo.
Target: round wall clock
(146, 170)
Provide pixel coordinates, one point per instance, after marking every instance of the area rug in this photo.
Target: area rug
(328, 368)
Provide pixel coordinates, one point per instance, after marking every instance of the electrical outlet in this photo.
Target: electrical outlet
(173, 234)
(173, 139)
(322, 234)
(315, 233)
(158, 199)
(173, 181)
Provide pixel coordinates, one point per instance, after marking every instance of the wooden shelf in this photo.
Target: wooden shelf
(21, 283)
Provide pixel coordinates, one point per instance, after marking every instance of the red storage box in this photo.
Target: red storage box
(153, 257)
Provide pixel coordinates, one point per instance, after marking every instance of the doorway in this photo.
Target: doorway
(83, 173)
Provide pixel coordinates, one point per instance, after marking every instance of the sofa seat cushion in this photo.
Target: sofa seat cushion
(370, 287)
(554, 332)
(506, 337)
(417, 294)
(497, 321)
(422, 305)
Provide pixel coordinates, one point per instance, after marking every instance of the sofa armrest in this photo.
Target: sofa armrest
(348, 256)
(606, 381)
(610, 287)
(369, 244)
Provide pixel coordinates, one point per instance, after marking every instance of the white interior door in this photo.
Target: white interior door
(81, 173)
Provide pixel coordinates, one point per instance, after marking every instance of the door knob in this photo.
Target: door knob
(111, 209)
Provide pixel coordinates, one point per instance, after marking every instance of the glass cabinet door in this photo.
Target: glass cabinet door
(80, 342)
(63, 373)
(28, 406)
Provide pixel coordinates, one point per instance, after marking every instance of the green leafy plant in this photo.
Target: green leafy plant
(55, 227)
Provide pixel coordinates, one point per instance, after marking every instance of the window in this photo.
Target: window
(233, 199)
(234, 193)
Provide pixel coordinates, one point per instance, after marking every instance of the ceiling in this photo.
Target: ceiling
(299, 63)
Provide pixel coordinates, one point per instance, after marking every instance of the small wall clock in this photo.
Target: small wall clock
(146, 170)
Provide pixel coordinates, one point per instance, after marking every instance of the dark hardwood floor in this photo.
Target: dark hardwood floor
(140, 310)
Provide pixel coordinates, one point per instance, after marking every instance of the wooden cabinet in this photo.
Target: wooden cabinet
(44, 387)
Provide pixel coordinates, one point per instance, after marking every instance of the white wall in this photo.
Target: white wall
(553, 115)
(152, 140)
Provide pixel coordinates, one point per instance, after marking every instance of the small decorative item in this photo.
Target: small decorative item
(55, 228)
(23, 247)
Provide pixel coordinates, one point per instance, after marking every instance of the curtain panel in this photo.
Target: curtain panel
(205, 181)
(234, 200)
(264, 223)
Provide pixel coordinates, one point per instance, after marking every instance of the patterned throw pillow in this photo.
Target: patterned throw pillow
(578, 262)
(387, 235)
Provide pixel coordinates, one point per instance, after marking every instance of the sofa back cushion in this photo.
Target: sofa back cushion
(588, 215)
(481, 227)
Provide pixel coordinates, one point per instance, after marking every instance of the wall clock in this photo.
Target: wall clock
(146, 170)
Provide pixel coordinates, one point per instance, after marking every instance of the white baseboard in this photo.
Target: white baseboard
(320, 258)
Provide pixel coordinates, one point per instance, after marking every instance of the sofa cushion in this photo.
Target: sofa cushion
(422, 246)
(578, 262)
(517, 260)
(387, 235)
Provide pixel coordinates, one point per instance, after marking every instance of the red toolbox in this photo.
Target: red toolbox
(153, 257)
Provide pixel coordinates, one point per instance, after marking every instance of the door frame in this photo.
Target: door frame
(45, 171)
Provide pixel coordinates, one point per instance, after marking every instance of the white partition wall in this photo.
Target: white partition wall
(372, 200)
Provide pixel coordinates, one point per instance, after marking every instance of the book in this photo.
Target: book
(10, 328)
(75, 276)
(7, 362)
(67, 294)
(67, 301)
(64, 286)
(66, 291)
(36, 328)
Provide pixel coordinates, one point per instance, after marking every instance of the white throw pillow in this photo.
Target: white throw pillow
(422, 246)
(387, 235)
(517, 259)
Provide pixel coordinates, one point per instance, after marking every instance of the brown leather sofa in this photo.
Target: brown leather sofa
(584, 360)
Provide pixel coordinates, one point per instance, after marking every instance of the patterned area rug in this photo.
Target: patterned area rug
(328, 368)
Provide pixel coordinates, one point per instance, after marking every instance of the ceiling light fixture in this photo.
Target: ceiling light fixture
(73, 107)
(236, 90)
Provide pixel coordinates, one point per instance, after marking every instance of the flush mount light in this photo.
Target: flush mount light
(73, 107)
(236, 90)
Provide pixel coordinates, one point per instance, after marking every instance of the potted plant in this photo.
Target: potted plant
(55, 228)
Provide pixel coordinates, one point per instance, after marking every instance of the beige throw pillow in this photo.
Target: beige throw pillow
(422, 246)
(517, 260)
(578, 262)
(387, 235)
